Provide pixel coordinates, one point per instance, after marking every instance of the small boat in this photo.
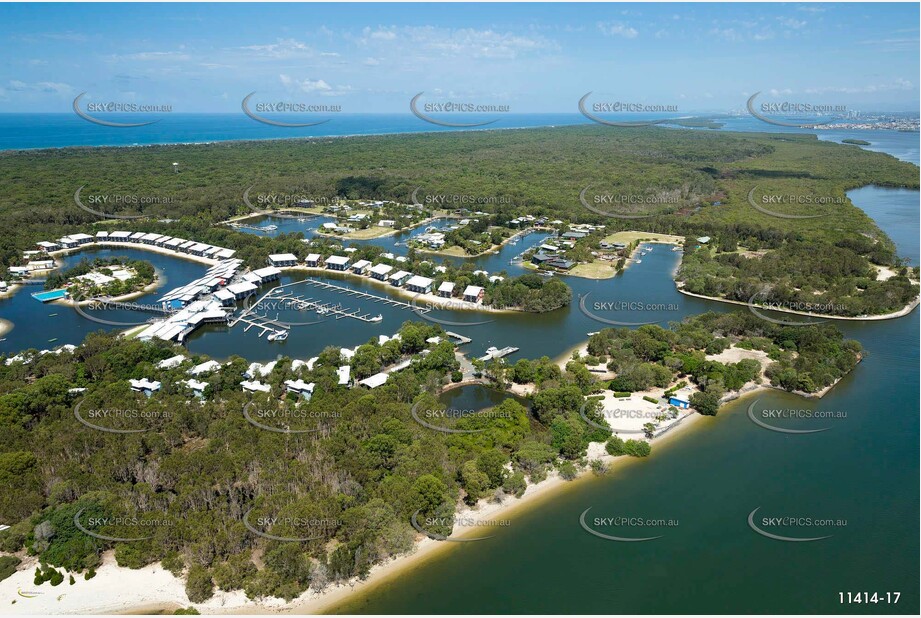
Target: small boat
(379, 317)
(639, 261)
(52, 340)
(278, 335)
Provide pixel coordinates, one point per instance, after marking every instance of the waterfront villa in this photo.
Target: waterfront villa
(474, 294)
(398, 278)
(255, 386)
(282, 260)
(380, 271)
(446, 289)
(242, 290)
(337, 262)
(359, 267)
(198, 388)
(422, 285)
(374, 381)
(313, 260)
(344, 373)
(206, 367)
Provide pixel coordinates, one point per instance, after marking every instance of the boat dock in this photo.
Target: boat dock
(365, 295)
(461, 340)
(309, 304)
(495, 353)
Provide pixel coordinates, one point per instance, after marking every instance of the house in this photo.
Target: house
(282, 260)
(169, 363)
(299, 387)
(474, 293)
(120, 236)
(540, 258)
(150, 239)
(422, 285)
(561, 264)
(380, 271)
(48, 247)
(225, 297)
(258, 370)
(496, 279)
(703, 240)
(81, 239)
(679, 403)
(255, 386)
(345, 375)
(197, 387)
(574, 235)
(241, 290)
(398, 278)
(359, 267)
(446, 289)
(374, 381)
(337, 262)
(269, 273)
(313, 260)
(148, 387)
(386, 223)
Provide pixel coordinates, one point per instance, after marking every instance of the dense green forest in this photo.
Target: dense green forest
(529, 171)
(190, 487)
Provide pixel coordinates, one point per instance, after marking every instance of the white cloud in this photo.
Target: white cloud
(312, 86)
(617, 29)
(282, 48)
(60, 88)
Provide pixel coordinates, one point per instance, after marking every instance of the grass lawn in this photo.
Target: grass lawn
(628, 237)
(598, 269)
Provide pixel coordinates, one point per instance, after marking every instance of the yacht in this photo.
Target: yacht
(278, 335)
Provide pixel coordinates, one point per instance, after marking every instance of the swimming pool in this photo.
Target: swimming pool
(49, 295)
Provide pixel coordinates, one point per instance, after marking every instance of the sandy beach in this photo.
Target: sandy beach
(5, 326)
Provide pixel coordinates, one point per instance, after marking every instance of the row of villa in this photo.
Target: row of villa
(179, 245)
(381, 272)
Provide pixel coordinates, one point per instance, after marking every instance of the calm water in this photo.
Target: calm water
(864, 470)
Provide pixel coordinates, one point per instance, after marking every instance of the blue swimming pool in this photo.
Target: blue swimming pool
(49, 295)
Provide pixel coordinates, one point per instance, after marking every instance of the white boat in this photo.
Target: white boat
(379, 317)
(639, 261)
(278, 335)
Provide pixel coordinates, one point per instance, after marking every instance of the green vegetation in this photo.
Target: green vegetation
(8, 566)
(534, 171)
(143, 275)
(805, 358)
(855, 142)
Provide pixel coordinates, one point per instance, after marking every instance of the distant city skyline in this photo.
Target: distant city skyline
(531, 58)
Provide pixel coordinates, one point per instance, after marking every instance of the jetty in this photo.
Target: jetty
(365, 295)
(496, 353)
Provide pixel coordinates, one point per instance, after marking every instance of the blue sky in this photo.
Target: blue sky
(531, 57)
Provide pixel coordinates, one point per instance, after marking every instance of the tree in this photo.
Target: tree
(199, 587)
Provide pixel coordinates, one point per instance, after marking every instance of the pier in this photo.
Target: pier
(495, 353)
(365, 295)
(461, 340)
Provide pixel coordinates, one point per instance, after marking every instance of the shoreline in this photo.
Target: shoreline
(105, 244)
(456, 304)
(870, 318)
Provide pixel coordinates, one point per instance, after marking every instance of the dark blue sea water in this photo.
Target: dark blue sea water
(26, 131)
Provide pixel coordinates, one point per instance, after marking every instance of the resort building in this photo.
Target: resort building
(170, 363)
(313, 260)
(446, 289)
(374, 381)
(198, 388)
(282, 260)
(398, 278)
(269, 273)
(299, 387)
(380, 271)
(148, 387)
(344, 374)
(48, 246)
(360, 266)
(474, 294)
(241, 290)
(337, 262)
(206, 367)
(225, 297)
(255, 386)
(422, 285)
